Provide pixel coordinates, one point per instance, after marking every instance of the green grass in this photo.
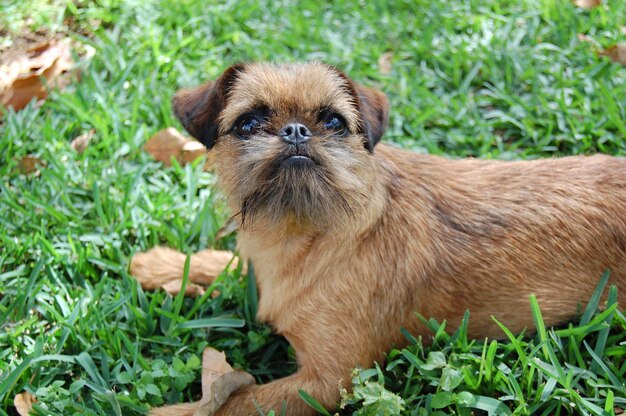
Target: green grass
(575, 370)
(494, 79)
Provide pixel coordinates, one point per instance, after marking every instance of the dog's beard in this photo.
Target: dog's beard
(303, 194)
(326, 193)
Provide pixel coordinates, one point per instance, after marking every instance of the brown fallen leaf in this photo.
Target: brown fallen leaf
(165, 144)
(161, 265)
(385, 63)
(617, 53)
(20, 77)
(30, 164)
(191, 151)
(214, 364)
(81, 142)
(24, 403)
(169, 143)
(587, 4)
(219, 381)
(221, 390)
(192, 290)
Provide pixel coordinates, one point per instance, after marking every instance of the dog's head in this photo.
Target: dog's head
(292, 142)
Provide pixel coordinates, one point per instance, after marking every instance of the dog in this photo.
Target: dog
(350, 237)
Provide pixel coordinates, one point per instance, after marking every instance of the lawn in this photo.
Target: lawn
(481, 78)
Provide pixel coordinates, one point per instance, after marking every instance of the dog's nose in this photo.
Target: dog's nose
(295, 133)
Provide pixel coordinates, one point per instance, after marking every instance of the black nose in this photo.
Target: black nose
(295, 133)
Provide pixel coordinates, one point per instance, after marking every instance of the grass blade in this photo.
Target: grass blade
(313, 403)
(594, 302)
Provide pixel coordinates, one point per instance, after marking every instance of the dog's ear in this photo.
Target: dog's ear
(198, 108)
(374, 108)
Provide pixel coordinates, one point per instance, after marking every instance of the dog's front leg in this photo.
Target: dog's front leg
(271, 396)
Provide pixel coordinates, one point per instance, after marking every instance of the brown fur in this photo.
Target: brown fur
(347, 250)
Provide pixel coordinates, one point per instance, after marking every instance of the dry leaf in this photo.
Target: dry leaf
(81, 142)
(20, 78)
(214, 364)
(219, 381)
(165, 144)
(161, 265)
(29, 164)
(192, 290)
(169, 143)
(191, 151)
(587, 4)
(617, 53)
(221, 390)
(384, 63)
(24, 403)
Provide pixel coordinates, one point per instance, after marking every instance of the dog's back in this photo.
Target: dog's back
(497, 232)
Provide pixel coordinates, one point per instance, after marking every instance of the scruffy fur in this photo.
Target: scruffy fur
(346, 250)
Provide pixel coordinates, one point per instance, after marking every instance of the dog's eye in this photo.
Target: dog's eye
(248, 125)
(336, 123)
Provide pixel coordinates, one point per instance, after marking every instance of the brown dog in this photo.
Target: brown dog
(349, 240)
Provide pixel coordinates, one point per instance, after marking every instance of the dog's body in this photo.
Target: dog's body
(348, 240)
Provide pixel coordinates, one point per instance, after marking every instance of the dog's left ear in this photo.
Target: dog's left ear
(198, 108)
(374, 108)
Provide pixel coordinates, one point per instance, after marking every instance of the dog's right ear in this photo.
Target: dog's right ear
(198, 108)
